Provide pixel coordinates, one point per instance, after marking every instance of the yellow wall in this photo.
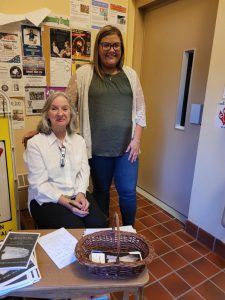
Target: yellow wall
(58, 8)
(24, 6)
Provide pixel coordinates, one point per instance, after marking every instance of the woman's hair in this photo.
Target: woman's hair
(44, 125)
(103, 32)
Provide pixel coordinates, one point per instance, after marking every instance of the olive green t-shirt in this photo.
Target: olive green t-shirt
(110, 112)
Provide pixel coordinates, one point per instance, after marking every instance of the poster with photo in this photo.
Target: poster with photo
(34, 71)
(5, 204)
(11, 79)
(10, 49)
(99, 14)
(31, 37)
(81, 44)
(35, 98)
(118, 16)
(18, 115)
(60, 43)
(80, 13)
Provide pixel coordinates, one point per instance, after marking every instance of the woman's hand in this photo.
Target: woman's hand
(82, 202)
(134, 149)
(78, 206)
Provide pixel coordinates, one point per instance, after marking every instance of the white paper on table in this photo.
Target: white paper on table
(59, 245)
(127, 228)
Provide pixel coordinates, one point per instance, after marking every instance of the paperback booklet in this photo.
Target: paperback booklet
(28, 278)
(14, 279)
(16, 250)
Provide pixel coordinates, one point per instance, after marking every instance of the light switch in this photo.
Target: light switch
(196, 114)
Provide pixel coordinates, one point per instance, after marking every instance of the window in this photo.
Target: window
(186, 73)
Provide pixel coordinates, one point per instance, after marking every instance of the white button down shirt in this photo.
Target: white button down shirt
(47, 179)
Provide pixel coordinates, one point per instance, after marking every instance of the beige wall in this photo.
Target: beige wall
(208, 191)
(169, 30)
(60, 8)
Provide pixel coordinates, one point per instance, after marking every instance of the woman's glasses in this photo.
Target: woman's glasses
(107, 46)
(63, 156)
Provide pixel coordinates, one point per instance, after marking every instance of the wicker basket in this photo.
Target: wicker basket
(118, 242)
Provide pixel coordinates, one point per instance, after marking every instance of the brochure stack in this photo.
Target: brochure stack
(18, 264)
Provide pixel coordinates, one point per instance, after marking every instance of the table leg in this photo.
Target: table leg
(126, 295)
(138, 294)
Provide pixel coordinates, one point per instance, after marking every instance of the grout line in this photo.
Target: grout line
(217, 284)
(192, 289)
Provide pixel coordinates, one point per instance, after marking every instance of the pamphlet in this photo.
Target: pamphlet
(110, 257)
(59, 245)
(16, 250)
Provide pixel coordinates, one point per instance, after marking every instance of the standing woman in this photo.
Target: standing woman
(111, 108)
(58, 171)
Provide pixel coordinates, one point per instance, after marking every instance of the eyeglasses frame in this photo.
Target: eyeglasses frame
(110, 46)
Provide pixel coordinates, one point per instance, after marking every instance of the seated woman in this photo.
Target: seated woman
(58, 171)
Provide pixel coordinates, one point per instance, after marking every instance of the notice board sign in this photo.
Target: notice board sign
(8, 216)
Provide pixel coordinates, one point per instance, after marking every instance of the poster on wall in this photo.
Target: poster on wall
(57, 21)
(5, 206)
(35, 99)
(80, 14)
(10, 47)
(18, 115)
(31, 37)
(60, 70)
(81, 44)
(34, 71)
(220, 115)
(60, 43)
(99, 14)
(118, 16)
(11, 79)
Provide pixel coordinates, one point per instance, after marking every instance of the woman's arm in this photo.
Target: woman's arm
(134, 146)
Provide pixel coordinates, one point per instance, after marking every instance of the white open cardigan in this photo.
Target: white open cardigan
(78, 89)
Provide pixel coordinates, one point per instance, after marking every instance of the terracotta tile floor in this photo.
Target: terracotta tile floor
(183, 268)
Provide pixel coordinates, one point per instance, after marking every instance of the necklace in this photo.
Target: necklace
(63, 156)
(109, 76)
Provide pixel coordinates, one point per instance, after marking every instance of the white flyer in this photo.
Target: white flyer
(59, 245)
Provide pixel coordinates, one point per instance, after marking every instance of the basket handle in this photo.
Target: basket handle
(116, 225)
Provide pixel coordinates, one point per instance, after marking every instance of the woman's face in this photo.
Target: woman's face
(59, 113)
(109, 58)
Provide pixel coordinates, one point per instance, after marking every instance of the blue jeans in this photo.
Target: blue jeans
(124, 173)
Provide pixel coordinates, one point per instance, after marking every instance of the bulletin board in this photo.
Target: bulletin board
(18, 69)
(8, 213)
